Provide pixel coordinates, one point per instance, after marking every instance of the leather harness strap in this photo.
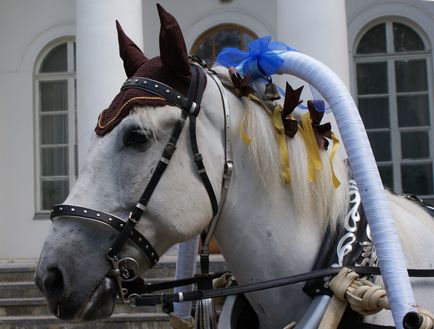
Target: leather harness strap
(190, 106)
(155, 299)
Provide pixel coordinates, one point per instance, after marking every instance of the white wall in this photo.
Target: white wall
(195, 17)
(25, 28)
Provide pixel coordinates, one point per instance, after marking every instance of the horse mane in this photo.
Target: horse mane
(318, 200)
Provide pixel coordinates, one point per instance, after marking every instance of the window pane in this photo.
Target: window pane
(53, 192)
(373, 41)
(372, 78)
(54, 161)
(204, 50)
(54, 129)
(415, 145)
(406, 39)
(411, 75)
(54, 95)
(375, 112)
(56, 60)
(413, 111)
(75, 56)
(417, 179)
(386, 173)
(380, 143)
(227, 38)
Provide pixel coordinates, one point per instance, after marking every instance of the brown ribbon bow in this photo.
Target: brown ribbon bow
(322, 131)
(241, 84)
(292, 99)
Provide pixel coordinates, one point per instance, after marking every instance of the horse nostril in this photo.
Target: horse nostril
(53, 282)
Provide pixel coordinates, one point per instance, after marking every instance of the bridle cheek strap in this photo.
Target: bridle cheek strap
(190, 106)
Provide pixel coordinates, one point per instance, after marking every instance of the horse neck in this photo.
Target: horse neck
(258, 231)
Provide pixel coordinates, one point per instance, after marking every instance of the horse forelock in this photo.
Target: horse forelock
(318, 200)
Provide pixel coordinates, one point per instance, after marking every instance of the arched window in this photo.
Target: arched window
(209, 43)
(55, 124)
(394, 93)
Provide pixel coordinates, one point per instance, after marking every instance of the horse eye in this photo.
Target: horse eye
(137, 139)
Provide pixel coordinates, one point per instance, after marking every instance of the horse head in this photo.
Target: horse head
(74, 272)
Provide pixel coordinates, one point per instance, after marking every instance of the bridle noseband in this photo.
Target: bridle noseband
(125, 269)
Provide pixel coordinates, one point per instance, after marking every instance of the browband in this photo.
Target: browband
(158, 88)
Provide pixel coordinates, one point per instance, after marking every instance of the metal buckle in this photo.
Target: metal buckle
(227, 173)
(192, 108)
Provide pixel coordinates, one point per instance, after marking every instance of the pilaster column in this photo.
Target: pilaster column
(100, 72)
(316, 28)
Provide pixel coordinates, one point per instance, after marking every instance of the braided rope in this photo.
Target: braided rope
(427, 318)
(363, 296)
(179, 322)
(367, 298)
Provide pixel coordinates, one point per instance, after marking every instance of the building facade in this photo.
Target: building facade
(59, 67)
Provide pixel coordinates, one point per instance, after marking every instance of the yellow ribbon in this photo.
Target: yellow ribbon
(336, 182)
(244, 135)
(313, 157)
(276, 119)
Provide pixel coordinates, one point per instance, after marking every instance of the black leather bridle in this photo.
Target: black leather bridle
(126, 269)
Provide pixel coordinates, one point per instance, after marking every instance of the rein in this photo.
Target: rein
(163, 298)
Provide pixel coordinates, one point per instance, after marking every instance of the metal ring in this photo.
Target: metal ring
(180, 297)
(131, 301)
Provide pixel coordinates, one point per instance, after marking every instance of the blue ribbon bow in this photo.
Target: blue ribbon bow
(262, 58)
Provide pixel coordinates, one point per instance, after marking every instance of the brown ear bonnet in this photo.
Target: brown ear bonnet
(172, 68)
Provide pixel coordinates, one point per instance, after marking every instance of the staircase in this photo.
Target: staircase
(22, 305)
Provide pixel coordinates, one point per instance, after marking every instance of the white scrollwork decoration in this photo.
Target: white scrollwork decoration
(345, 244)
(368, 251)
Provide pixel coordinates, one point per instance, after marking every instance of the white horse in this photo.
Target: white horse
(267, 229)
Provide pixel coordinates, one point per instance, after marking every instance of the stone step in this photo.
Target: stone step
(29, 290)
(117, 321)
(23, 306)
(26, 273)
(165, 268)
(19, 290)
(13, 272)
(38, 306)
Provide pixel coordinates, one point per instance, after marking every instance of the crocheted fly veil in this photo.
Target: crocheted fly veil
(172, 67)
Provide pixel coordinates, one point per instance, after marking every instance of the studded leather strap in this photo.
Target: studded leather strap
(158, 88)
(118, 224)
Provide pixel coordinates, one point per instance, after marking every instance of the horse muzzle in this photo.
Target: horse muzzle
(72, 305)
(72, 270)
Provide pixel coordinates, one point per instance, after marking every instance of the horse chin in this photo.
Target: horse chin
(98, 306)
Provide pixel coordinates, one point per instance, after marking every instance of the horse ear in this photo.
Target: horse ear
(131, 54)
(173, 52)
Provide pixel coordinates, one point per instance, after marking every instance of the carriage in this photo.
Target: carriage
(185, 150)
